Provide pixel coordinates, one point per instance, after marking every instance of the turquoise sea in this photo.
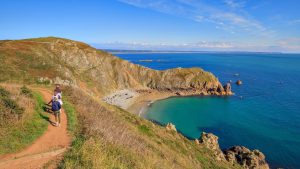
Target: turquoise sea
(263, 114)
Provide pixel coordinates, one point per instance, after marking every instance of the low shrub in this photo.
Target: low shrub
(14, 108)
(26, 91)
(9, 108)
(4, 93)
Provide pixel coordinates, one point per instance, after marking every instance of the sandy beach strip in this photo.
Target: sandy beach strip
(122, 98)
(133, 101)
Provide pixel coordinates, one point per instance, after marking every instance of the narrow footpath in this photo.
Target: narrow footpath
(48, 147)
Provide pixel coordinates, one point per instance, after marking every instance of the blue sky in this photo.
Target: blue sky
(221, 25)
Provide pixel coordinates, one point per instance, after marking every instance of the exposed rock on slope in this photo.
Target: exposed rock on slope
(171, 127)
(246, 158)
(210, 141)
(76, 63)
(237, 154)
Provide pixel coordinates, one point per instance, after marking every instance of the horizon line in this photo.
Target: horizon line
(133, 51)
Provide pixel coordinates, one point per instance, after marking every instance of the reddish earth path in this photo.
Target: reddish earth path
(48, 147)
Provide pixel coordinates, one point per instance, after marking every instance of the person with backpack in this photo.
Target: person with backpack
(58, 93)
(57, 96)
(56, 107)
(58, 89)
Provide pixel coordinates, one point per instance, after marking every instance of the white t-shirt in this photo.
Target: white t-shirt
(58, 96)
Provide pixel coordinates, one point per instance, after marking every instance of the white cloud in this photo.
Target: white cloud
(201, 12)
(201, 45)
(291, 45)
(235, 3)
(297, 21)
(232, 19)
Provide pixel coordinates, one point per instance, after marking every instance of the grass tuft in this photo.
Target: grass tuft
(26, 91)
(4, 93)
(145, 130)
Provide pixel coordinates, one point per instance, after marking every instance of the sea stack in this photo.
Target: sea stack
(239, 82)
(227, 88)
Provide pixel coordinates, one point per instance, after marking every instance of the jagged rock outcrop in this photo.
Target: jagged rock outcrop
(78, 63)
(246, 158)
(210, 141)
(238, 154)
(171, 127)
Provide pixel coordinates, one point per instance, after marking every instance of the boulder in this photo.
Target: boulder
(239, 82)
(210, 141)
(171, 127)
(246, 158)
(220, 88)
(227, 88)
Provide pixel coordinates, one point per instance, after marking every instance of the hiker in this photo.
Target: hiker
(58, 93)
(58, 96)
(56, 106)
(57, 89)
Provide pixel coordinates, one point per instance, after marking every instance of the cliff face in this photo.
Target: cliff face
(238, 154)
(59, 60)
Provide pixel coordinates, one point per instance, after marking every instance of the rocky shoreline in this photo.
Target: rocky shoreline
(235, 155)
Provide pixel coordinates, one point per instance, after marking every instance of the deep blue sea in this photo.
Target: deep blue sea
(263, 114)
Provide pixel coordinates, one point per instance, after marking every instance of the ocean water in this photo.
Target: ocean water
(263, 114)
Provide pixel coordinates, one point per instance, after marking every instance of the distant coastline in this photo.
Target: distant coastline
(120, 51)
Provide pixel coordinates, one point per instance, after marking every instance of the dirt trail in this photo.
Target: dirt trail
(50, 146)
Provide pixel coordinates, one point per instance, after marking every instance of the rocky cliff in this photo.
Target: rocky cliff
(56, 60)
(238, 154)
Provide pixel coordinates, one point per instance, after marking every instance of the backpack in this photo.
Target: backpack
(55, 106)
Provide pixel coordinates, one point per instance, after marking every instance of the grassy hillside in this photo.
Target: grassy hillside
(21, 118)
(106, 136)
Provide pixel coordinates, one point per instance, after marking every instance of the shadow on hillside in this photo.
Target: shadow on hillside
(47, 108)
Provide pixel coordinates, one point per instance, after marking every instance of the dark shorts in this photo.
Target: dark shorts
(57, 112)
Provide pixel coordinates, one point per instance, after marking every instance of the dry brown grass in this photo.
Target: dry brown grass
(22, 101)
(98, 121)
